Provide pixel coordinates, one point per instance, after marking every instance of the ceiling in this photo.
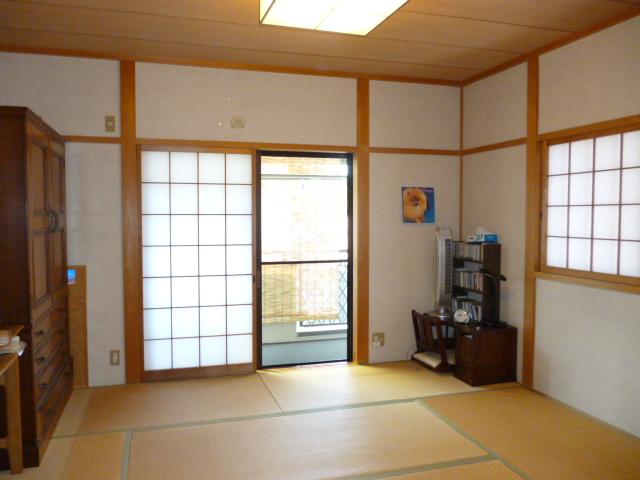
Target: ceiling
(449, 40)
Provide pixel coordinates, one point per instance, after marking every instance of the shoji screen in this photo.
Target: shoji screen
(593, 205)
(197, 259)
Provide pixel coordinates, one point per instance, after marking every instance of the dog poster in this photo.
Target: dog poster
(418, 205)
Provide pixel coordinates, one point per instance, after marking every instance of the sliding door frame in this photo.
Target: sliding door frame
(207, 371)
(258, 250)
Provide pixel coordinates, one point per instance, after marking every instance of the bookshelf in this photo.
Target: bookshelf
(471, 289)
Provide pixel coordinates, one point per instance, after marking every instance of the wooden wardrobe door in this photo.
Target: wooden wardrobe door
(39, 221)
(58, 229)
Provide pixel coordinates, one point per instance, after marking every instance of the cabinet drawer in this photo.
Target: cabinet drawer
(44, 353)
(47, 322)
(43, 382)
(464, 350)
(48, 412)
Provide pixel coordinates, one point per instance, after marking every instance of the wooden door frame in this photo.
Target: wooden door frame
(131, 228)
(192, 372)
(258, 252)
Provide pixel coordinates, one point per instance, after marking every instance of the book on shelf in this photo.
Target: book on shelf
(472, 307)
(468, 278)
(468, 250)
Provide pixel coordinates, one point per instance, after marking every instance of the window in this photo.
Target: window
(197, 259)
(591, 221)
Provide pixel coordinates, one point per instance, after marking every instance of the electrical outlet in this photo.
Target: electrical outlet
(378, 339)
(110, 123)
(115, 357)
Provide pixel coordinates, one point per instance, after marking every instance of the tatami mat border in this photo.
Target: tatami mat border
(496, 456)
(244, 418)
(420, 469)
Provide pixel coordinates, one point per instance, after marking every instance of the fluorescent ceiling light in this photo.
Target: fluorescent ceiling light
(356, 17)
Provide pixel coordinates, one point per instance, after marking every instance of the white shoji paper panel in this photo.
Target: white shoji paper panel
(197, 229)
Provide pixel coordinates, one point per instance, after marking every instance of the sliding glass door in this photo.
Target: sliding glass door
(305, 258)
(197, 262)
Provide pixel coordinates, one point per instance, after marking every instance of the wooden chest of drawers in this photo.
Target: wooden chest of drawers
(33, 277)
(486, 355)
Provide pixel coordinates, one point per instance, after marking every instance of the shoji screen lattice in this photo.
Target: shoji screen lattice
(593, 205)
(197, 259)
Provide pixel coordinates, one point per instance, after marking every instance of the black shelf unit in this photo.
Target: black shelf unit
(488, 257)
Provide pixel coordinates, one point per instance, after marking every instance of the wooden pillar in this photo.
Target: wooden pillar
(532, 240)
(131, 225)
(362, 225)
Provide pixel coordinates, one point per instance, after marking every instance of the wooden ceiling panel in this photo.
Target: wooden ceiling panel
(279, 40)
(463, 32)
(215, 56)
(568, 15)
(244, 12)
(438, 39)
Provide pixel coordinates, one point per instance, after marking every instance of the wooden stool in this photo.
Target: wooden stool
(10, 378)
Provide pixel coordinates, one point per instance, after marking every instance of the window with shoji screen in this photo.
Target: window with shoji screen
(197, 259)
(592, 206)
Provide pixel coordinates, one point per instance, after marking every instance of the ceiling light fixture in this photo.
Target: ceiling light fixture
(357, 17)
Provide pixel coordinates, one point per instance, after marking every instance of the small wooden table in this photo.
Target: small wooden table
(10, 379)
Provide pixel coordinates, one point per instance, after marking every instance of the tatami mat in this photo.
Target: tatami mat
(493, 470)
(542, 437)
(317, 445)
(335, 385)
(140, 405)
(94, 457)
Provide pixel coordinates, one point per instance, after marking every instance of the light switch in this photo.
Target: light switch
(110, 123)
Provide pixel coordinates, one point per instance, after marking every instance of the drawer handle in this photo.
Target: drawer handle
(41, 360)
(39, 333)
(43, 386)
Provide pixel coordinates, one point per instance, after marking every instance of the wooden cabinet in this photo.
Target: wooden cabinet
(486, 355)
(33, 283)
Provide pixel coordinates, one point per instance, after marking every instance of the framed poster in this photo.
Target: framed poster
(418, 205)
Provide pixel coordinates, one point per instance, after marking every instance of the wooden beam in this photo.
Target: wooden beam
(532, 234)
(362, 224)
(589, 282)
(495, 146)
(414, 151)
(602, 128)
(226, 145)
(131, 225)
(91, 139)
(200, 62)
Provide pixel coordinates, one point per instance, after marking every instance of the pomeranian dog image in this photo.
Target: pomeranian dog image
(415, 205)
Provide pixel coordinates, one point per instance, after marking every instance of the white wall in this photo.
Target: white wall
(94, 222)
(198, 103)
(401, 255)
(587, 339)
(587, 351)
(591, 80)
(495, 108)
(179, 102)
(414, 115)
(494, 182)
(73, 95)
(494, 198)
